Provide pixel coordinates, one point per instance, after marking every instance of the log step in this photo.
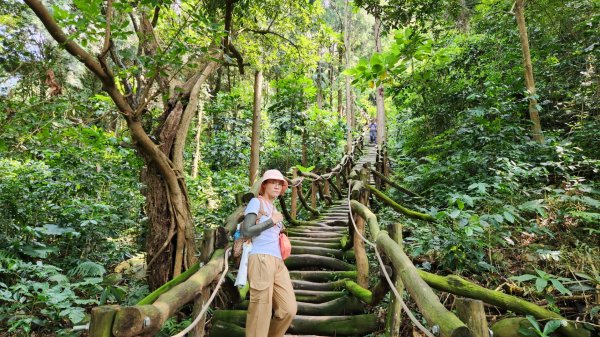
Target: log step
(308, 285)
(308, 248)
(331, 245)
(315, 234)
(321, 275)
(303, 261)
(231, 323)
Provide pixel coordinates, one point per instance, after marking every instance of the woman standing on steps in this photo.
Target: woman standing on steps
(270, 285)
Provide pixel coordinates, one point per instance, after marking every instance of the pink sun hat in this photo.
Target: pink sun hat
(275, 175)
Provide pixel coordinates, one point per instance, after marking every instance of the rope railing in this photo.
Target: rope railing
(148, 318)
(428, 303)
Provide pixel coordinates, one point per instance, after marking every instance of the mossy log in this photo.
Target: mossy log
(321, 275)
(429, 304)
(223, 328)
(394, 184)
(359, 292)
(408, 212)
(308, 285)
(344, 305)
(148, 319)
(301, 261)
(459, 286)
(357, 325)
(150, 298)
(509, 327)
(347, 241)
(310, 249)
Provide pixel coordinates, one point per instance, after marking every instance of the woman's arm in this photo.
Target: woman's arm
(251, 229)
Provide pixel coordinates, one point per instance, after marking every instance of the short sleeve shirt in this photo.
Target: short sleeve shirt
(266, 242)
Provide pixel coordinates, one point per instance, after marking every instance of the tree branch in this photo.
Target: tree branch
(156, 15)
(84, 57)
(266, 31)
(107, 41)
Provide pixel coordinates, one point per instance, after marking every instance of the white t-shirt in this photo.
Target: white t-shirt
(266, 242)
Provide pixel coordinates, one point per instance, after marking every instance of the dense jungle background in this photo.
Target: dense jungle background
(78, 190)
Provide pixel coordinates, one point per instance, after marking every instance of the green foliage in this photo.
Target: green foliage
(39, 296)
(536, 331)
(545, 281)
(57, 204)
(297, 123)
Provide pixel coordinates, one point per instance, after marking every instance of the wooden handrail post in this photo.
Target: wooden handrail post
(385, 163)
(471, 312)
(294, 207)
(102, 320)
(207, 246)
(313, 194)
(395, 310)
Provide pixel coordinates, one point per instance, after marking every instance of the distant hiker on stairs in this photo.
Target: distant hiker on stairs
(373, 131)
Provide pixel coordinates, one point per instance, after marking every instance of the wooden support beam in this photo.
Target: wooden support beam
(148, 319)
(408, 212)
(471, 312)
(394, 321)
(102, 320)
(294, 206)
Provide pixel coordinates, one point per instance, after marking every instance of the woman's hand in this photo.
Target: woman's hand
(276, 217)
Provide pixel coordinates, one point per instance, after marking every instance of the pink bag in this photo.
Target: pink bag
(285, 246)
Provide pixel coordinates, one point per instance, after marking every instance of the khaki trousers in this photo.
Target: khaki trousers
(270, 291)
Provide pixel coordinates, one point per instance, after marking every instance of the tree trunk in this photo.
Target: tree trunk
(304, 159)
(170, 239)
(379, 98)
(197, 141)
(340, 107)
(349, 116)
(170, 242)
(331, 77)
(534, 114)
(255, 147)
(463, 23)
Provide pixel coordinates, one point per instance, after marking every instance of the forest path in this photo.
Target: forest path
(319, 268)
